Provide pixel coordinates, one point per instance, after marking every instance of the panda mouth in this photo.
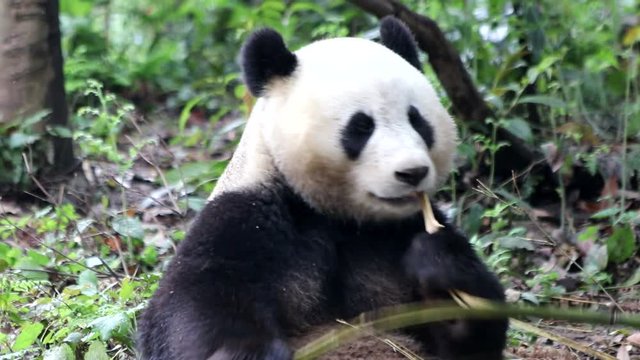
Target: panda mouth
(397, 201)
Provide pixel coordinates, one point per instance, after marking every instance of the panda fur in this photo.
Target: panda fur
(316, 217)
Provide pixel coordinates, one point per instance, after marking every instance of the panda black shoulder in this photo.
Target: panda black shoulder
(235, 214)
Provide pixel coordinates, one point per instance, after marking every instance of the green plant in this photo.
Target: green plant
(98, 128)
(91, 306)
(21, 148)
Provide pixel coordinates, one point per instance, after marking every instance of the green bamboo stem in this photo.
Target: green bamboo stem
(411, 315)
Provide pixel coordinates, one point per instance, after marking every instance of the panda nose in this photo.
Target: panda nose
(412, 176)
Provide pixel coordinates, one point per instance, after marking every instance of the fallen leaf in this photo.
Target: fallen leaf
(8, 208)
(623, 353)
(610, 188)
(634, 339)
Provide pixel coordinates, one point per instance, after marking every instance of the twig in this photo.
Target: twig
(113, 273)
(122, 258)
(396, 347)
(560, 339)
(164, 183)
(50, 199)
(46, 271)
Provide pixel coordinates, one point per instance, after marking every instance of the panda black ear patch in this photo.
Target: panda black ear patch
(264, 56)
(395, 35)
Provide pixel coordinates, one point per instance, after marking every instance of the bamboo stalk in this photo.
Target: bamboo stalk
(416, 314)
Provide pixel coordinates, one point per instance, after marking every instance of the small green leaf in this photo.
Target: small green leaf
(128, 226)
(29, 269)
(38, 258)
(530, 297)
(93, 261)
(186, 112)
(514, 242)
(34, 119)
(195, 171)
(106, 326)
(194, 203)
(97, 351)
(83, 225)
(497, 211)
(608, 212)
(62, 352)
(589, 234)
(519, 128)
(634, 279)
(28, 335)
(73, 338)
(552, 102)
(18, 140)
(597, 258)
(88, 282)
(60, 131)
(126, 290)
(149, 256)
(621, 244)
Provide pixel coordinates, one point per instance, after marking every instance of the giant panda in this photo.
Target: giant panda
(317, 216)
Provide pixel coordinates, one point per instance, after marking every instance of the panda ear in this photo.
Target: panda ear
(395, 35)
(264, 56)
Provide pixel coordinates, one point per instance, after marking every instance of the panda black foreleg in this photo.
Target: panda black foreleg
(220, 296)
(446, 261)
(201, 315)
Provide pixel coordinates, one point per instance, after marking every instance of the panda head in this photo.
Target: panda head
(352, 126)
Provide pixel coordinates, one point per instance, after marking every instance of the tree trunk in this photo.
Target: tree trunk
(63, 159)
(31, 78)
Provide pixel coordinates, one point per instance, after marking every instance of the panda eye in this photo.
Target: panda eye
(361, 123)
(421, 126)
(356, 134)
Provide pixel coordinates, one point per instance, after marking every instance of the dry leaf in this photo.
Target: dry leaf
(634, 339)
(623, 353)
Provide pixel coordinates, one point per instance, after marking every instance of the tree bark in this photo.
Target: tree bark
(24, 58)
(467, 101)
(32, 77)
(56, 101)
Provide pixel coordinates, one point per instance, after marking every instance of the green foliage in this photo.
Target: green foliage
(186, 50)
(20, 147)
(621, 245)
(27, 336)
(97, 128)
(91, 309)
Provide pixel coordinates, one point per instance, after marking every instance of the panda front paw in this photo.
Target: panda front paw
(275, 350)
(445, 261)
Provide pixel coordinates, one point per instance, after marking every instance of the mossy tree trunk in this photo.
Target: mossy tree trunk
(31, 78)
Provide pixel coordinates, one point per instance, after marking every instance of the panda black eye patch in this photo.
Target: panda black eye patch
(421, 126)
(356, 134)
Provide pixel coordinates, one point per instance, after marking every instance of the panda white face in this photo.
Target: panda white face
(350, 125)
(357, 131)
